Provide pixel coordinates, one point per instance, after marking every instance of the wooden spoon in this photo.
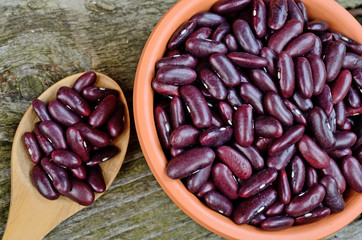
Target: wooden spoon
(32, 216)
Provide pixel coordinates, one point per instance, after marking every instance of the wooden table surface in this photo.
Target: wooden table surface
(41, 42)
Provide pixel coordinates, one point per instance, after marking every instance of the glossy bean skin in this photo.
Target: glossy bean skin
(85, 80)
(311, 177)
(276, 209)
(294, 12)
(41, 110)
(226, 113)
(333, 198)
(77, 143)
(103, 112)
(165, 89)
(317, 49)
(213, 84)
(324, 100)
(177, 112)
(185, 60)
(208, 186)
(243, 59)
(216, 120)
(261, 79)
(231, 43)
(95, 178)
(289, 138)
(319, 125)
(333, 60)
(277, 223)
(277, 14)
(352, 171)
(74, 101)
(313, 216)
(32, 147)
(268, 127)
(344, 139)
(224, 181)
(59, 176)
(243, 125)
(271, 58)
(336, 172)
(66, 158)
(220, 32)
(341, 113)
(339, 154)
(340, 86)
(297, 175)
(199, 110)
(286, 74)
(280, 161)
(259, 18)
(102, 154)
(297, 114)
(351, 61)
(257, 219)
(283, 187)
(236, 162)
(215, 137)
(184, 136)
(60, 113)
(248, 208)
(204, 47)
(302, 9)
(94, 136)
(218, 203)
(225, 6)
(252, 154)
(163, 126)
(312, 153)
(302, 103)
(43, 142)
(305, 203)
(301, 45)
(190, 161)
(197, 180)
(353, 98)
(208, 19)
(223, 66)
(203, 33)
(245, 37)
(176, 75)
(95, 94)
(304, 78)
(79, 172)
(257, 182)
(43, 183)
(81, 192)
(275, 107)
(317, 25)
(54, 133)
(115, 122)
(233, 98)
(181, 34)
(252, 95)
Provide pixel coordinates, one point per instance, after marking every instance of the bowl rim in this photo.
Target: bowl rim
(152, 150)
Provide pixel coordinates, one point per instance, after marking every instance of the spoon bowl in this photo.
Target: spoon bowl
(32, 216)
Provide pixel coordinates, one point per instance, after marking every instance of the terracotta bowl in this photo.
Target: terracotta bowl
(338, 18)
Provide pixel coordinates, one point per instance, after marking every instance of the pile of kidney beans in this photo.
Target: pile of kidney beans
(72, 137)
(258, 110)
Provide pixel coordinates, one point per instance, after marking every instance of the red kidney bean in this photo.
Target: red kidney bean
(208, 19)
(94, 136)
(184, 136)
(203, 33)
(218, 203)
(317, 49)
(277, 223)
(352, 61)
(85, 80)
(276, 108)
(306, 202)
(58, 175)
(176, 75)
(339, 154)
(43, 142)
(317, 25)
(215, 137)
(236, 162)
(184, 60)
(286, 74)
(301, 45)
(43, 184)
(311, 177)
(303, 9)
(341, 86)
(257, 182)
(213, 84)
(216, 120)
(344, 139)
(271, 58)
(334, 171)
(198, 179)
(181, 34)
(278, 12)
(79, 172)
(302, 103)
(204, 47)
(304, 77)
(41, 110)
(284, 192)
(102, 155)
(220, 32)
(231, 43)
(290, 137)
(225, 181)
(243, 125)
(208, 186)
(248, 208)
(261, 79)
(227, 6)
(341, 113)
(353, 98)
(259, 18)
(276, 209)
(95, 178)
(177, 112)
(190, 161)
(354, 111)
(294, 12)
(326, 37)
(280, 161)
(320, 127)
(54, 133)
(312, 153)
(95, 94)
(252, 95)
(297, 175)
(74, 101)
(335, 53)
(252, 154)
(313, 216)
(233, 98)
(347, 126)
(165, 89)
(226, 113)
(268, 127)
(357, 77)
(223, 66)
(245, 37)
(65, 158)
(115, 122)
(199, 110)
(163, 126)
(352, 171)
(243, 59)
(77, 143)
(176, 151)
(81, 192)
(324, 100)
(257, 219)
(62, 114)
(333, 198)
(297, 114)
(32, 147)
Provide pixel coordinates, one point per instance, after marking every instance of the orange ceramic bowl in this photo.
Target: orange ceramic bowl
(338, 18)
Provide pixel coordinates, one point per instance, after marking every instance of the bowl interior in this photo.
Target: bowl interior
(154, 49)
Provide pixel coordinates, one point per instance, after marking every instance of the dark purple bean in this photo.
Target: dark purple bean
(95, 94)
(95, 179)
(326, 38)
(54, 133)
(252, 154)
(281, 160)
(223, 66)
(77, 143)
(286, 74)
(43, 183)
(229, 6)
(208, 19)
(289, 138)
(32, 147)
(357, 77)
(262, 144)
(276, 209)
(58, 175)
(220, 32)
(245, 37)
(252, 95)
(189, 162)
(176, 75)
(304, 77)
(181, 34)
(213, 84)
(341, 86)
(353, 98)
(79, 172)
(215, 137)
(62, 114)
(208, 186)
(297, 175)
(262, 79)
(248, 208)
(306, 202)
(243, 59)
(333, 60)
(41, 110)
(236, 162)
(277, 223)
(43, 142)
(312, 153)
(268, 127)
(163, 126)
(320, 127)
(244, 126)
(202, 33)
(218, 203)
(199, 110)
(339, 154)
(204, 47)
(301, 45)
(294, 11)
(302, 103)
(231, 43)
(177, 112)
(176, 151)
(216, 120)
(334, 171)
(81, 192)
(354, 111)
(185, 60)
(347, 126)
(225, 181)
(226, 113)
(318, 72)
(94, 136)
(324, 100)
(284, 192)
(259, 18)
(297, 114)
(344, 139)
(233, 98)
(352, 171)
(277, 14)
(311, 177)
(271, 58)
(313, 216)
(276, 108)
(85, 80)
(303, 9)
(333, 199)
(197, 180)
(73, 101)
(352, 61)
(115, 122)
(354, 47)
(65, 158)
(184, 136)
(257, 182)
(317, 25)
(317, 49)
(103, 112)
(102, 154)
(257, 219)
(165, 89)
